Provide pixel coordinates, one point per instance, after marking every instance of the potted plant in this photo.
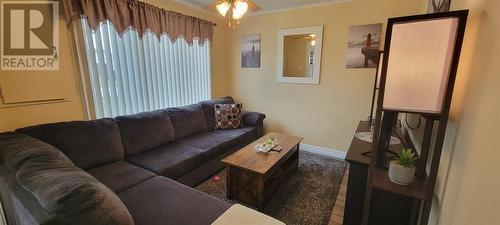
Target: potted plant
(402, 169)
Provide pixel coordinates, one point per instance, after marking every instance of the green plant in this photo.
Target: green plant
(406, 158)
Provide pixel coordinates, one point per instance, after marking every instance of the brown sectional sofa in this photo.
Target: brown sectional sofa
(133, 169)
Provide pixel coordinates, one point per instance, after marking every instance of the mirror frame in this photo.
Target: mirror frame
(318, 31)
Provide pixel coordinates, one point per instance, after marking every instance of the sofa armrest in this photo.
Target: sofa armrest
(254, 119)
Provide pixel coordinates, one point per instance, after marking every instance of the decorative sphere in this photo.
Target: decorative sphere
(216, 178)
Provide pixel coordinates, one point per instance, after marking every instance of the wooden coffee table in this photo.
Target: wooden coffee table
(252, 176)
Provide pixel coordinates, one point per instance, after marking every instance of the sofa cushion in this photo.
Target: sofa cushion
(187, 120)
(119, 176)
(171, 160)
(145, 131)
(87, 143)
(19, 206)
(62, 189)
(243, 134)
(73, 196)
(209, 111)
(17, 149)
(161, 201)
(212, 144)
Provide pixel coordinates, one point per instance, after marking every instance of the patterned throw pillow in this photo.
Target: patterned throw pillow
(227, 116)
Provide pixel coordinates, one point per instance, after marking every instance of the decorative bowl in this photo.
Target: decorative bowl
(265, 147)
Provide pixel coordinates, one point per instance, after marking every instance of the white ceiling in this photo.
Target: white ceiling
(270, 5)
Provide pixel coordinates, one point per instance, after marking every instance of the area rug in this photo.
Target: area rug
(307, 197)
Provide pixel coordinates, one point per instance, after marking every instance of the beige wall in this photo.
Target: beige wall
(69, 109)
(325, 115)
(72, 108)
(469, 173)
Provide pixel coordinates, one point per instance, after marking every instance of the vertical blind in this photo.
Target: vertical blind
(129, 74)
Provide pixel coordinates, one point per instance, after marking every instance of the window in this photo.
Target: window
(128, 74)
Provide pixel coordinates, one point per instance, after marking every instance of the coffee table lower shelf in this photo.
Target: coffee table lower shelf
(256, 189)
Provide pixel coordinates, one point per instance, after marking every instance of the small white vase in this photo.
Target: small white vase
(400, 174)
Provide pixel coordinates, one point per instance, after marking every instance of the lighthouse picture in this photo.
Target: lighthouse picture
(363, 46)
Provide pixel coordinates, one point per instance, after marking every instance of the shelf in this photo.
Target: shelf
(381, 181)
(360, 151)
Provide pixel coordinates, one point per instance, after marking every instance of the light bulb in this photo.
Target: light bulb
(223, 8)
(240, 8)
(313, 42)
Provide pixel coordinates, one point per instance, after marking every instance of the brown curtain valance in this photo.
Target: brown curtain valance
(125, 14)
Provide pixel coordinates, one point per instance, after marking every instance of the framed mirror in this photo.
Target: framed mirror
(299, 53)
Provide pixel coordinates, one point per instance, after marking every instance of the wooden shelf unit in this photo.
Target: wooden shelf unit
(424, 185)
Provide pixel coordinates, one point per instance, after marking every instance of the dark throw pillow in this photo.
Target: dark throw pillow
(227, 116)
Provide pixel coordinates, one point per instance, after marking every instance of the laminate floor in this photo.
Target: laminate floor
(338, 209)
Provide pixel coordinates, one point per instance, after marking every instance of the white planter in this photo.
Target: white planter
(400, 174)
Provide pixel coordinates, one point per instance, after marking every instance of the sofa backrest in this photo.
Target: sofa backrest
(17, 149)
(145, 131)
(87, 143)
(187, 120)
(19, 206)
(62, 189)
(209, 110)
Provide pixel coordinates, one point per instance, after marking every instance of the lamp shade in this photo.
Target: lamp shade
(223, 7)
(418, 65)
(239, 9)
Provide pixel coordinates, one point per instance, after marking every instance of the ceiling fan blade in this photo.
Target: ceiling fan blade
(252, 5)
(213, 4)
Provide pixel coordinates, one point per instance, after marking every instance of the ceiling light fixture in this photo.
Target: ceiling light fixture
(223, 8)
(239, 9)
(233, 10)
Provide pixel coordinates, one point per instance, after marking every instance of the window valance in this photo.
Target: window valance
(131, 14)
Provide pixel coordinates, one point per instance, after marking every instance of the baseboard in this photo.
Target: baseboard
(323, 151)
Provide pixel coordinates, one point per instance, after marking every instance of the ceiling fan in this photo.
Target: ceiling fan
(233, 9)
